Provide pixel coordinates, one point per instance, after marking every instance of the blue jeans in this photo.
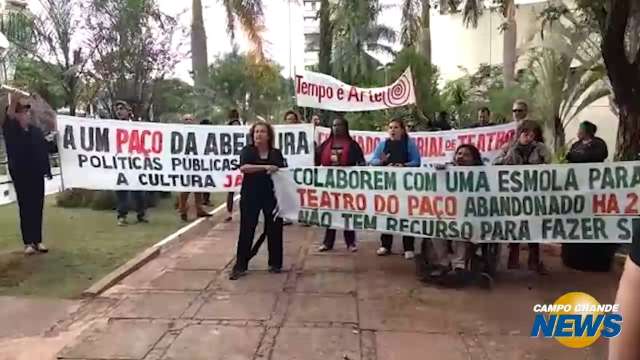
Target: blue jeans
(123, 203)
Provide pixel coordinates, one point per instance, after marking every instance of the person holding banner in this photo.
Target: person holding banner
(123, 112)
(315, 120)
(257, 162)
(520, 112)
(397, 150)
(291, 117)
(206, 197)
(588, 257)
(339, 150)
(183, 198)
(28, 157)
(465, 155)
(234, 120)
(525, 150)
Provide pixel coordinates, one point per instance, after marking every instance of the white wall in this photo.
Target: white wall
(454, 46)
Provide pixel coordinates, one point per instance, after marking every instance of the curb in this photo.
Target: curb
(193, 229)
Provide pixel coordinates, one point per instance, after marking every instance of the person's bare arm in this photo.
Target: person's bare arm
(626, 346)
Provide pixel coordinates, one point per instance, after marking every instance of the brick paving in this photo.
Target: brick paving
(326, 306)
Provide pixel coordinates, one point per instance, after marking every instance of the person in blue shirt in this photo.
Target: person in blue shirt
(397, 150)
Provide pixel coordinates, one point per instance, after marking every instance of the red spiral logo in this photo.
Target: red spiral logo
(399, 93)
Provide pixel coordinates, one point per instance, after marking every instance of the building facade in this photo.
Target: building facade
(455, 47)
(311, 25)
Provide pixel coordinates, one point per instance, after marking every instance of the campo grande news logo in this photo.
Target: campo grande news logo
(576, 320)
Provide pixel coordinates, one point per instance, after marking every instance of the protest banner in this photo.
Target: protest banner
(588, 203)
(321, 91)
(438, 146)
(121, 155)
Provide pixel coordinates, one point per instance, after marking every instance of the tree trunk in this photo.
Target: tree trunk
(72, 107)
(558, 135)
(510, 38)
(424, 44)
(326, 38)
(628, 146)
(625, 80)
(199, 53)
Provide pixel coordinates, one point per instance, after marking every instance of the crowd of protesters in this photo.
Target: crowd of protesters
(28, 165)
(445, 258)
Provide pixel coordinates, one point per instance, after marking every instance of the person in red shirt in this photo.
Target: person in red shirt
(339, 150)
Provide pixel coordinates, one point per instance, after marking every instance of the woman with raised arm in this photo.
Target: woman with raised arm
(257, 162)
(28, 157)
(397, 150)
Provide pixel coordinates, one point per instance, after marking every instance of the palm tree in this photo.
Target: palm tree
(248, 13)
(509, 39)
(570, 74)
(356, 32)
(326, 37)
(199, 55)
(416, 26)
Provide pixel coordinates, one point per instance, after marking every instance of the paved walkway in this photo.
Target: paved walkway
(326, 306)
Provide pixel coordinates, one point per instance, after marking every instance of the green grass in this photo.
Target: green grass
(84, 246)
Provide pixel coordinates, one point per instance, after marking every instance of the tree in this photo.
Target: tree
(569, 72)
(326, 37)
(132, 40)
(355, 33)
(171, 99)
(36, 77)
(463, 97)
(54, 30)
(199, 57)
(17, 26)
(253, 87)
(618, 24)
(248, 13)
(425, 79)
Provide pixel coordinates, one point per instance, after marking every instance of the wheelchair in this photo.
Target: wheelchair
(481, 265)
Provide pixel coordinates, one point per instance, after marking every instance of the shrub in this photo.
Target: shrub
(73, 198)
(102, 200)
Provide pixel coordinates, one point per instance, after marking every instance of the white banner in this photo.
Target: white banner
(121, 155)
(588, 203)
(322, 91)
(438, 146)
(8, 193)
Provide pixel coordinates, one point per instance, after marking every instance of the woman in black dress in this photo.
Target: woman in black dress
(257, 162)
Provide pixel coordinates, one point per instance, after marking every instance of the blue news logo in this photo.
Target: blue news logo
(576, 320)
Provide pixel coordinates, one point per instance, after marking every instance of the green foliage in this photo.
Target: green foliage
(250, 15)
(102, 200)
(34, 76)
(463, 97)
(171, 99)
(568, 69)
(91, 199)
(254, 88)
(133, 44)
(74, 198)
(425, 77)
(355, 31)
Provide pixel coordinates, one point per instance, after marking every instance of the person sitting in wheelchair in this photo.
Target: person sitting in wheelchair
(457, 262)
